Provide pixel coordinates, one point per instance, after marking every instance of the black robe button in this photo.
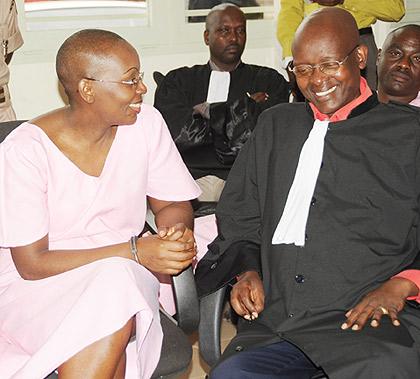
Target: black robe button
(213, 266)
(299, 278)
(290, 315)
(313, 201)
(239, 348)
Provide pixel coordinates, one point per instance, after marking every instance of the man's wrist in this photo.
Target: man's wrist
(247, 274)
(202, 109)
(409, 289)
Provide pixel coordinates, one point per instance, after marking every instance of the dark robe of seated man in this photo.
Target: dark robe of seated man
(210, 127)
(319, 225)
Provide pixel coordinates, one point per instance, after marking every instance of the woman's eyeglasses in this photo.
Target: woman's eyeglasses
(132, 82)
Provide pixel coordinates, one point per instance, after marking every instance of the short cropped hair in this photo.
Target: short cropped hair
(79, 52)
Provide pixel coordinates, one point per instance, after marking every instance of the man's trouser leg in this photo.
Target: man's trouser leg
(278, 360)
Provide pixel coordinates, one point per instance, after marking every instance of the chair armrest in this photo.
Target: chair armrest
(211, 308)
(186, 301)
(185, 292)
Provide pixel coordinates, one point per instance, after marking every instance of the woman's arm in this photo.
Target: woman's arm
(36, 261)
(170, 213)
(156, 253)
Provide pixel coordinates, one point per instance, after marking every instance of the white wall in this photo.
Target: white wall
(167, 43)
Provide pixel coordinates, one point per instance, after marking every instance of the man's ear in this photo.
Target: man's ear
(362, 54)
(86, 90)
(206, 37)
(378, 56)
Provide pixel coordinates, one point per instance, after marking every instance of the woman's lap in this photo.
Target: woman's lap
(45, 322)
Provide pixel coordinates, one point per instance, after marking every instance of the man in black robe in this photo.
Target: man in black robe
(320, 210)
(209, 135)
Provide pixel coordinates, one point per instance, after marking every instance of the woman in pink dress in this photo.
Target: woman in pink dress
(75, 282)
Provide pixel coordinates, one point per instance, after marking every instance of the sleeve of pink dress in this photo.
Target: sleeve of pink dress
(23, 195)
(166, 166)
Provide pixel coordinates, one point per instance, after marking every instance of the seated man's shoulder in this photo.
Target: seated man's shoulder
(286, 115)
(393, 105)
(185, 71)
(286, 110)
(264, 70)
(407, 112)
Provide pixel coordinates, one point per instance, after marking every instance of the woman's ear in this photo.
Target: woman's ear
(86, 90)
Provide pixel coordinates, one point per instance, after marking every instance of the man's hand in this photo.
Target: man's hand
(329, 3)
(388, 299)
(259, 97)
(171, 251)
(247, 296)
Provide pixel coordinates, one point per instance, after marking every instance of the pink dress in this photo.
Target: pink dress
(45, 322)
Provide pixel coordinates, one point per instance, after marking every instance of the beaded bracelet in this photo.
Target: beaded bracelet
(133, 248)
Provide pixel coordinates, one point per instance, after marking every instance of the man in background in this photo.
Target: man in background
(11, 40)
(399, 66)
(366, 13)
(208, 4)
(211, 109)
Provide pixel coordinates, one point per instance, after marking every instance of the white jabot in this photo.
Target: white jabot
(292, 224)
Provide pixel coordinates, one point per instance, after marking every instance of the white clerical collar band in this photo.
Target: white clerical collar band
(214, 66)
(292, 224)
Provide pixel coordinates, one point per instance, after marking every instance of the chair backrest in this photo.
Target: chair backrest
(158, 77)
(7, 126)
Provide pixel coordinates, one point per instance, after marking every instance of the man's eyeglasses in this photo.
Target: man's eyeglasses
(132, 82)
(328, 68)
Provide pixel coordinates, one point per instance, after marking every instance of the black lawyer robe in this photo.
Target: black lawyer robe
(185, 87)
(363, 228)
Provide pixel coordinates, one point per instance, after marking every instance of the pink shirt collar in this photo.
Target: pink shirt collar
(416, 101)
(343, 113)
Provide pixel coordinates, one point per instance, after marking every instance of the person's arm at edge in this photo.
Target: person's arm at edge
(290, 16)
(384, 10)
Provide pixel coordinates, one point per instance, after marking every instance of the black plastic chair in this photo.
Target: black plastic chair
(176, 348)
(158, 77)
(211, 313)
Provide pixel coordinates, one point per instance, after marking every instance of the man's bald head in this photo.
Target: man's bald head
(335, 24)
(83, 54)
(328, 58)
(414, 28)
